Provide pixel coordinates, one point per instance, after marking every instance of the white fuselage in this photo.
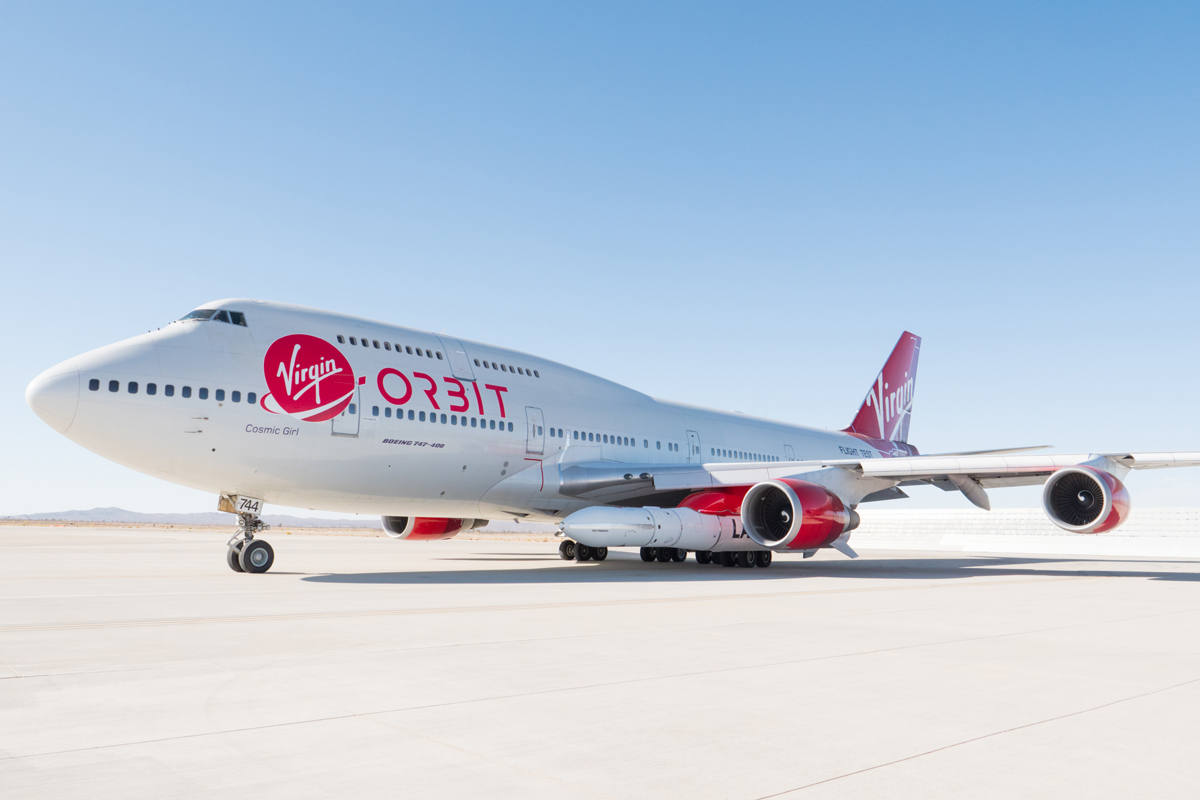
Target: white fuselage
(378, 460)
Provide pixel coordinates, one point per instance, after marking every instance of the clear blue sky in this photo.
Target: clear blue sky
(736, 205)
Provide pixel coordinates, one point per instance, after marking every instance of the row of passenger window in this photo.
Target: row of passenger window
(235, 396)
(427, 353)
(508, 368)
(169, 390)
(453, 419)
(624, 441)
(354, 340)
(742, 455)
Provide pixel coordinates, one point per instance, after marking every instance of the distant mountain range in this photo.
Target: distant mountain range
(200, 518)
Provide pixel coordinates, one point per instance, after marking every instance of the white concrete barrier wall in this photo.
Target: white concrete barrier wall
(1149, 532)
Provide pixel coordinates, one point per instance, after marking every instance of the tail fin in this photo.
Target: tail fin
(886, 412)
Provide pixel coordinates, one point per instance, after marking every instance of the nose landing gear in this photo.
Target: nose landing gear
(246, 553)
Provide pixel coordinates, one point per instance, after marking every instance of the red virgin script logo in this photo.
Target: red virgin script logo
(308, 377)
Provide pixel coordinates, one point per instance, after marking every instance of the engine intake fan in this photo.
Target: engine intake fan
(1085, 500)
(795, 515)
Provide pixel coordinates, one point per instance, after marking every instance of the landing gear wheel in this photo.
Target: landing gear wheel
(747, 558)
(599, 553)
(649, 553)
(566, 550)
(257, 556)
(664, 554)
(764, 558)
(703, 557)
(728, 559)
(678, 555)
(237, 550)
(232, 557)
(582, 552)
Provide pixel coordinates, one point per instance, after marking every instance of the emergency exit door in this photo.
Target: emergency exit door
(693, 447)
(535, 433)
(346, 423)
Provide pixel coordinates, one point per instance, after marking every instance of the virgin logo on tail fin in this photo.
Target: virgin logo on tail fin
(887, 410)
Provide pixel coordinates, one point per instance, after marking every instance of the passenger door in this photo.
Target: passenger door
(788, 453)
(460, 363)
(346, 423)
(693, 447)
(535, 434)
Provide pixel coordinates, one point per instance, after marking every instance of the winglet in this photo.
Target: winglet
(887, 409)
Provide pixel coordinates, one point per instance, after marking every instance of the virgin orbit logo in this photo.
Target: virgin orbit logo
(308, 377)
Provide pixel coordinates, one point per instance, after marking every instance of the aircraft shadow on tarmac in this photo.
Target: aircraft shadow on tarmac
(626, 569)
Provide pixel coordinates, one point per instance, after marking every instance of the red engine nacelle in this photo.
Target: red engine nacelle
(795, 515)
(723, 502)
(427, 528)
(1085, 500)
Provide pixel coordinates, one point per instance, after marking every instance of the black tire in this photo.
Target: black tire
(566, 550)
(703, 557)
(599, 553)
(764, 558)
(728, 559)
(747, 559)
(679, 555)
(232, 557)
(257, 556)
(582, 552)
(649, 553)
(664, 554)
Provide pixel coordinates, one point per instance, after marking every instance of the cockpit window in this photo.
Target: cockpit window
(222, 315)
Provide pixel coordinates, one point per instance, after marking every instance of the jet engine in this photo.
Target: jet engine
(795, 515)
(1085, 500)
(428, 528)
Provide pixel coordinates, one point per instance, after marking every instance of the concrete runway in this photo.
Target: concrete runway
(136, 664)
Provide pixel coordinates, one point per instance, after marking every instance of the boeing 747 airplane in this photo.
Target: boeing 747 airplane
(260, 402)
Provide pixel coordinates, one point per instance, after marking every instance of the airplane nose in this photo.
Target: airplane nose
(54, 395)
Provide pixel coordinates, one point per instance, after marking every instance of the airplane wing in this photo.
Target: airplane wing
(856, 480)
(1084, 493)
(969, 474)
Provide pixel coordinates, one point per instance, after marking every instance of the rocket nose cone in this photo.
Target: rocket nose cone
(54, 395)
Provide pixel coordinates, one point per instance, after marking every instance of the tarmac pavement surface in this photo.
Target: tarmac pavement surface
(135, 664)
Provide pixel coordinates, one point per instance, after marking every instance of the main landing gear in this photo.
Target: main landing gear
(574, 551)
(741, 558)
(246, 553)
(664, 555)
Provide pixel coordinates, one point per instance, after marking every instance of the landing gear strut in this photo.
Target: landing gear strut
(246, 553)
